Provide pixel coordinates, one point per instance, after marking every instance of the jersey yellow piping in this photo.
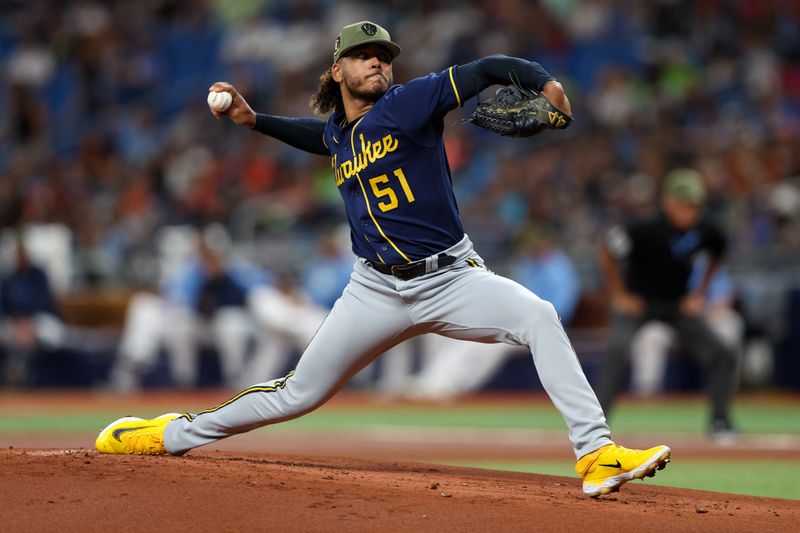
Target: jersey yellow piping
(376, 253)
(455, 89)
(366, 198)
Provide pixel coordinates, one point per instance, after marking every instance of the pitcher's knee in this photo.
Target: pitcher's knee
(300, 399)
(537, 317)
(543, 310)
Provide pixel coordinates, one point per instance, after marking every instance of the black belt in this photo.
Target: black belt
(413, 270)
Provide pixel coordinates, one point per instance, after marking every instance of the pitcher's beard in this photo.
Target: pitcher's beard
(368, 95)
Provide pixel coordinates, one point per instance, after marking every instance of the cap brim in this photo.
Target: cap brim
(393, 48)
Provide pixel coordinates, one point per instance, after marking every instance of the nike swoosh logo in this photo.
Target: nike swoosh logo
(618, 465)
(121, 431)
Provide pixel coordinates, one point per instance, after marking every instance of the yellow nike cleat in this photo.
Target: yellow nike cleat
(607, 469)
(135, 435)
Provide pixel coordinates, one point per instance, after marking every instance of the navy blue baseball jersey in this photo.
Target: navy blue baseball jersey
(392, 172)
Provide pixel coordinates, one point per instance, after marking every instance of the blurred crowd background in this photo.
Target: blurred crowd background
(111, 163)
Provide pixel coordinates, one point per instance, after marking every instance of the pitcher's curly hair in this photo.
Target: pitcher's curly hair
(328, 96)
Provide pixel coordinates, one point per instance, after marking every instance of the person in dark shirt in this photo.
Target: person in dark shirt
(220, 289)
(28, 317)
(647, 265)
(25, 292)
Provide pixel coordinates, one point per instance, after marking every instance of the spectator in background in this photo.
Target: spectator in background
(289, 313)
(328, 272)
(205, 301)
(287, 318)
(29, 320)
(654, 285)
(26, 118)
(547, 271)
(30, 67)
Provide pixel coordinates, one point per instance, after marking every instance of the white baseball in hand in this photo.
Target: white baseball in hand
(219, 101)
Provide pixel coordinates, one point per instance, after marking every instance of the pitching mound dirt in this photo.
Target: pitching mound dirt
(78, 490)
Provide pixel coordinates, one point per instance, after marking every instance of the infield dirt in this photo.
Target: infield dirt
(79, 490)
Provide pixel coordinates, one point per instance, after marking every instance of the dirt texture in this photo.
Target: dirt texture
(79, 490)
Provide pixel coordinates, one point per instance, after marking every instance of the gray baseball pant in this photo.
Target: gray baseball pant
(378, 311)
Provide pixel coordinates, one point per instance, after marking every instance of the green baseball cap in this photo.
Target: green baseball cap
(686, 185)
(363, 32)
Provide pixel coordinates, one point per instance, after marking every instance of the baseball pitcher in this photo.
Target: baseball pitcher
(417, 271)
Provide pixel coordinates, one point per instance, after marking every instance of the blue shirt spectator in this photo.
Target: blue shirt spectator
(328, 273)
(550, 274)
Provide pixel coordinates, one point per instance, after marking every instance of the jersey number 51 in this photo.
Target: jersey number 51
(387, 192)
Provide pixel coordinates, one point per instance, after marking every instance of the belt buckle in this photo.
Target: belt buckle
(404, 272)
(397, 271)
